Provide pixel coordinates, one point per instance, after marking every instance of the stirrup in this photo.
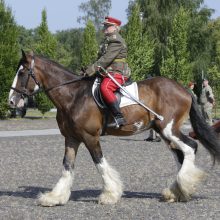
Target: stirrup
(118, 122)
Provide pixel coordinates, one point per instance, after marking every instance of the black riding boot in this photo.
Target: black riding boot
(119, 119)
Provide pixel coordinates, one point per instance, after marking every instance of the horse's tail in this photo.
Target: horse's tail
(205, 134)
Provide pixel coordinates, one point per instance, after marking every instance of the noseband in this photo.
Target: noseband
(32, 75)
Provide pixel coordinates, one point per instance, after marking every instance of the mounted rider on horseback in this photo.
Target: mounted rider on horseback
(112, 57)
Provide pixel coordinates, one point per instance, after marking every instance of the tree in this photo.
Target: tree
(90, 46)
(46, 45)
(72, 45)
(94, 10)
(157, 22)
(8, 54)
(140, 48)
(176, 64)
(213, 72)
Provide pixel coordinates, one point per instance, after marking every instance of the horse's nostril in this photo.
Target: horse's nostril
(11, 103)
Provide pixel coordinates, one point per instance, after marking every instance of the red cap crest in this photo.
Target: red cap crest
(112, 21)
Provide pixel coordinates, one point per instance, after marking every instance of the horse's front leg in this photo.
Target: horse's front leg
(112, 185)
(61, 192)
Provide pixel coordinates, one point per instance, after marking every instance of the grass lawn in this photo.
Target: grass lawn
(36, 113)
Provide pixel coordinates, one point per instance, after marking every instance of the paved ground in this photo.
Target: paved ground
(33, 164)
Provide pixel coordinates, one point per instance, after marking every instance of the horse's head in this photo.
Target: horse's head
(24, 83)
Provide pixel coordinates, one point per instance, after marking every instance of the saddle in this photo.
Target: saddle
(122, 98)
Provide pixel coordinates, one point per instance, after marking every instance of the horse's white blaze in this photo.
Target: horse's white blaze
(113, 187)
(189, 175)
(10, 98)
(60, 193)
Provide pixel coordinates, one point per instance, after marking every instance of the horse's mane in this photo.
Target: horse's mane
(64, 70)
(56, 64)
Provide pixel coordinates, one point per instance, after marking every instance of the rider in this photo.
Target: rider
(112, 57)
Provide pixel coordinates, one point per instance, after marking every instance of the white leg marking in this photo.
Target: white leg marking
(60, 193)
(189, 175)
(112, 188)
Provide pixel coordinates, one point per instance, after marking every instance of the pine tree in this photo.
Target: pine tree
(90, 45)
(8, 54)
(140, 48)
(176, 64)
(157, 21)
(46, 45)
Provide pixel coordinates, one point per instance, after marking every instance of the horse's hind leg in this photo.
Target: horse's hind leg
(189, 175)
(62, 190)
(112, 185)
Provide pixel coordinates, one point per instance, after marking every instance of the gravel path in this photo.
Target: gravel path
(33, 164)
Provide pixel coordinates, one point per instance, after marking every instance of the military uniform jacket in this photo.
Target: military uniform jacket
(207, 97)
(112, 55)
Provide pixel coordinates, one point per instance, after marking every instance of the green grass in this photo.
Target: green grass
(36, 113)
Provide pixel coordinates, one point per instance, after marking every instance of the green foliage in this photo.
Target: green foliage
(43, 104)
(213, 72)
(140, 48)
(90, 46)
(46, 45)
(94, 10)
(176, 63)
(8, 54)
(158, 20)
(71, 41)
(27, 38)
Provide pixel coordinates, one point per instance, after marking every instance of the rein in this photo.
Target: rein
(32, 75)
(63, 84)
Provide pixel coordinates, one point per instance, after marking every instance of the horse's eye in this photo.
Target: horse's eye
(21, 73)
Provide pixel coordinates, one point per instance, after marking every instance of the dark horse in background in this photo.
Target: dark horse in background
(81, 120)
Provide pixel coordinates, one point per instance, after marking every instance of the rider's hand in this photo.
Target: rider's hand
(83, 72)
(100, 70)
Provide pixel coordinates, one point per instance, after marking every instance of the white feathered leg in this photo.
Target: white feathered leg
(189, 175)
(113, 187)
(60, 193)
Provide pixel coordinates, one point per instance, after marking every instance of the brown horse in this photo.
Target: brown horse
(81, 120)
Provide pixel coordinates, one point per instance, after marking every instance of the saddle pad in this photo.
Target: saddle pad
(125, 99)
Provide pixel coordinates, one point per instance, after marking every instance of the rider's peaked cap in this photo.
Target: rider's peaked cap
(111, 21)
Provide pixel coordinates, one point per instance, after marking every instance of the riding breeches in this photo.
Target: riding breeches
(108, 87)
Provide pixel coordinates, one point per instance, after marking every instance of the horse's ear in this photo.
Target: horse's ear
(23, 55)
(32, 53)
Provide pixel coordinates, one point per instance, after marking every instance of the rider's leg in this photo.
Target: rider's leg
(108, 87)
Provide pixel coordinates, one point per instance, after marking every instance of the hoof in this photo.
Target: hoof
(50, 199)
(174, 194)
(108, 199)
(169, 196)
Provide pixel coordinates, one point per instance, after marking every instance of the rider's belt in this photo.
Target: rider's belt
(123, 60)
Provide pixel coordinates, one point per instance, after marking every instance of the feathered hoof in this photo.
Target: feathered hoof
(108, 198)
(49, 199)
(169, 196)
(174, 194)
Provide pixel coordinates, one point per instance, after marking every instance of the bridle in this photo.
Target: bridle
(32, 75)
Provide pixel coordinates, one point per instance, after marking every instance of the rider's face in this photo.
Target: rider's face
(108, 29)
